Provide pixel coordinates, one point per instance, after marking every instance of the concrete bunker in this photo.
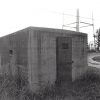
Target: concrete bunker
(45, 55)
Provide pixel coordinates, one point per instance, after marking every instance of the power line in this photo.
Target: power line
(78, 22)
(70, 15)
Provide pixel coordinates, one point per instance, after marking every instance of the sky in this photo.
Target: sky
(19, 14)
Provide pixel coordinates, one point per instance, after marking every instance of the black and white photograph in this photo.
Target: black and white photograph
(49, 50)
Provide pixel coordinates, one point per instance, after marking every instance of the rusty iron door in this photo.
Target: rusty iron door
(64, 59)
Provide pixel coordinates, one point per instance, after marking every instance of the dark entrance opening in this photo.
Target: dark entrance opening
(64, 60)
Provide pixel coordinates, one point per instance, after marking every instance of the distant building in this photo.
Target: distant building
(46, 55)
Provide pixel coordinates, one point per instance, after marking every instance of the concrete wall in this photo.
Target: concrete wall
(18, 43)
(33, 61)
(35, 50)
(79, 56)
(43, 55)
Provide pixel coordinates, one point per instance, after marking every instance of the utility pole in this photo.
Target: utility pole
(77, 21)
(93, 32)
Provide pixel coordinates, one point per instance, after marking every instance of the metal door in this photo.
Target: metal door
(64, 59)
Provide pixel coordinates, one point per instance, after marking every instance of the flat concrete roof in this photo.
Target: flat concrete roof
(52, 30)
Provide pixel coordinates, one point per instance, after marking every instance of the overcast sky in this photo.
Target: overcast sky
(19, 14)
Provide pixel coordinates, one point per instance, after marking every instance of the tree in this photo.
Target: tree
(98, 39)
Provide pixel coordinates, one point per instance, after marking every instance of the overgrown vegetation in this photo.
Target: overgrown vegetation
(87, 87)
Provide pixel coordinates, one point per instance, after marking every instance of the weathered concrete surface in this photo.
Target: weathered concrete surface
(44, 54)
(79, 55)
(35, 50)
(18, 43)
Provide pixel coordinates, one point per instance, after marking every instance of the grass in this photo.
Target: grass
(85, 88)
(88, 86)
